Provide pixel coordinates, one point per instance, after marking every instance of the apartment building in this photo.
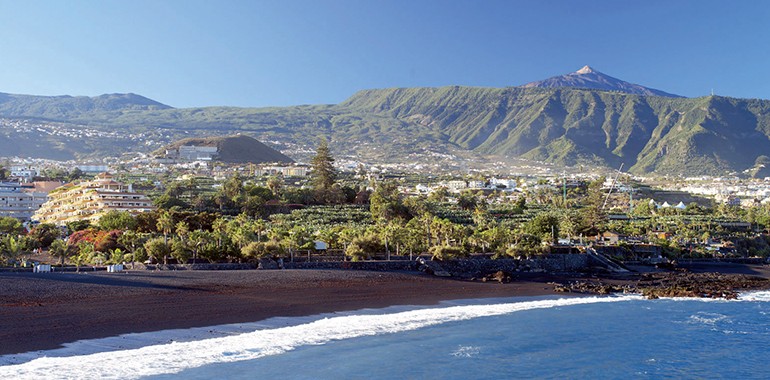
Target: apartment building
(20, 200)
(89, 200)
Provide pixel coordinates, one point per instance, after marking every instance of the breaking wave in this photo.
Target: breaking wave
(174, 357)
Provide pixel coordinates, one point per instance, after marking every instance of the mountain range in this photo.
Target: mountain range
(583, 118)
(589, 78)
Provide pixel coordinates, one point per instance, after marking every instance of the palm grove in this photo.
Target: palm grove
(362, 219)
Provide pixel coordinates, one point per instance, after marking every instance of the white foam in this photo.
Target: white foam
(708, 318)
(466, 352)
(758, 296)
(175, 357)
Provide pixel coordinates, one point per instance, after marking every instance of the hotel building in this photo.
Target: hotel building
(89, 200)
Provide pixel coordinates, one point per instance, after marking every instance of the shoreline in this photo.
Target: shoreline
(45, 311)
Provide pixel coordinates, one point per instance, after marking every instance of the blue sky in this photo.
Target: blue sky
(259, 53)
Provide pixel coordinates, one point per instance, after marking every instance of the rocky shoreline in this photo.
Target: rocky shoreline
(671, 284)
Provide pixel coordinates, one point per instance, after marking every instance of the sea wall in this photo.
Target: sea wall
(379, 266)
(547, 263)
(204, 266)
(470, 267)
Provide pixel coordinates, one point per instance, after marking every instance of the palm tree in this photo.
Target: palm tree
(12, 248)
(219, 226)
(165, 225)
(182, 230)
(58, 249)
(259, 227)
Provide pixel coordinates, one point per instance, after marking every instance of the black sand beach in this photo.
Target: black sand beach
(44, 310)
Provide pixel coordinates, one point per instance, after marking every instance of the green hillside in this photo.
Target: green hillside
(563, 126)
(569, 126)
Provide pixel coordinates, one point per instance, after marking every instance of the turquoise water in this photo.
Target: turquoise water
(614, 337)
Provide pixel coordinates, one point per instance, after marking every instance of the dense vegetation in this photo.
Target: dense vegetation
(242, 221)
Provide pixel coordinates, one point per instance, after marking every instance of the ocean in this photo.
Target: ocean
(621, 336)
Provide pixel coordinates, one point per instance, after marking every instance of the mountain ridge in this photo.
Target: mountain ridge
(588, 78)
(561, 126)
(64, 107)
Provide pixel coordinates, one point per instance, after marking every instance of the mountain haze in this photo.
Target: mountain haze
(588, 78)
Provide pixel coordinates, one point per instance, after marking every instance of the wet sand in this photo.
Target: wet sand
(44, 310)
(41, 311)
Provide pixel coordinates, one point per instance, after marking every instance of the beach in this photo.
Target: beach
(45, 310)
(40, 311)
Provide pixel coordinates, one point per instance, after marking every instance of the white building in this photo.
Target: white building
(24, 173)
(92, 169)
(456, 185)
(197, 153)
(21, 201)
(90, 200)
(286, 171)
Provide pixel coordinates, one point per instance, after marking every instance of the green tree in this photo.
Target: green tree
(182, 229)
(443, 252)
(117, 220)
(233, 188)
(134, 242)
(439, 195)
(167, 202)
(323, 174)
(158, 249)
(592, 213)
(467, 201)
(9, 225)
(528, 244)
(300, 238)
(642, 207)
(85, 254)
(257, 250)
(362, 247)
(275, 185)
(240, 231)
(60, 250)
(11, 248)
(544, 225)
(75, 174)
(165, 224)
(385, 203)
(117, 256)
(179, 251)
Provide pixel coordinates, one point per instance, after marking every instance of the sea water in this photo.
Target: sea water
(582, 337)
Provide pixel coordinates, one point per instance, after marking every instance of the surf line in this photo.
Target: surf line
(175, 357)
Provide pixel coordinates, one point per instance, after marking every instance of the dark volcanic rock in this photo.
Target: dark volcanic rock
(674, 284)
